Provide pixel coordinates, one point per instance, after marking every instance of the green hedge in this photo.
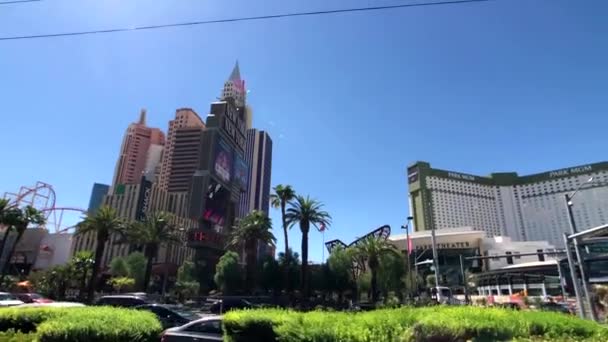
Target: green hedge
(409, 324)
(79, 324)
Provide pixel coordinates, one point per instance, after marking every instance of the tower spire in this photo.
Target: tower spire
(142, 116)
(236, 73)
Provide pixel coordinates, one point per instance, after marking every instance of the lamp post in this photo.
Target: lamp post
(579, 259)
(409, 266)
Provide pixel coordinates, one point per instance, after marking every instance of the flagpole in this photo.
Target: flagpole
(323, 246)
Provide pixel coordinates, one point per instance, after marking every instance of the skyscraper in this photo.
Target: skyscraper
(178, 159)
(258, 155)
(530, 207)
(97, 193)
(134, 151)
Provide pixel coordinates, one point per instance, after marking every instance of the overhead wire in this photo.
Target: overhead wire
(239, 19)
(12, 2)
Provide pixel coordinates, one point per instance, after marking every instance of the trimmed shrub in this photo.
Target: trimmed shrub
(94, 324)
(409, 324)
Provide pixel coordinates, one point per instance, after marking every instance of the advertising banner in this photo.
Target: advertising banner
(143, 201)
(223, 160)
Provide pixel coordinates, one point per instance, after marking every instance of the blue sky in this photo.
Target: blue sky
(349, 99)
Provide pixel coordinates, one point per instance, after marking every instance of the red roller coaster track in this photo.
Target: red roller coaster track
(42, 197)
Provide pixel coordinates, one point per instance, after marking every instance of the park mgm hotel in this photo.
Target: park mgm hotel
(523, 208)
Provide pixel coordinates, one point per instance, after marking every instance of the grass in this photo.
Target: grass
(409, 324)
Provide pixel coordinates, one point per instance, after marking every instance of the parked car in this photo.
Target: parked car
(32, 298)
(208, 329)
(228, 304)
(127, 301)
(557, 307)
(168, 316)
(8, 299)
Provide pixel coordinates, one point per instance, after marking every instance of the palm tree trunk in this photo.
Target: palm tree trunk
(99, 249)
(286, 237)
(304, 270)
(10, 256)
(251, 251)
(374, 285)
(150, 254)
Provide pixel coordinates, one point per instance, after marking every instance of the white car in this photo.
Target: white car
(51, 305)
(208, 329)
(8, 299)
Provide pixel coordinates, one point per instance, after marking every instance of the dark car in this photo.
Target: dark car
(125, 301)
(228, 304)
(168, 316)
(32, 298)
(557, 307)
(208, 329)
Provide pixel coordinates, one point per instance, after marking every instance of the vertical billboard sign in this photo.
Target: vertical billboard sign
(222, 162)
(143, 200)
(241, 173)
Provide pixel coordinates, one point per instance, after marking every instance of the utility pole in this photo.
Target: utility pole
(577, 290)
(464, 281)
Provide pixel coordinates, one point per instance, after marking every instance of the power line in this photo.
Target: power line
(238, 19)
(17, 2)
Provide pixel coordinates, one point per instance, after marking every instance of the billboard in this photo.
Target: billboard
(241, 173)
(223, 161)
(143, 200)
(217, 197)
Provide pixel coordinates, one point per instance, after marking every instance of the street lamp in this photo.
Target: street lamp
(579, 259)
(407, 242)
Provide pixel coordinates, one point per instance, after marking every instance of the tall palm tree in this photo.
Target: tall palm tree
(253, 228)
(282, 195)
(25, 217)
(103, 224)
(156, 229)
(307, 212)
(9, 217)
(371, 250)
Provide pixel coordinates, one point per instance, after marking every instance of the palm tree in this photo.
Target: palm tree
(103, 224)
(307, 212)
(282, 195)
(371, 250)
(9, 217)
(82, 262)
(253, 228)
(26, 216)
(156, 229)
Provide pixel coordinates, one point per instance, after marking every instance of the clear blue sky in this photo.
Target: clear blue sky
(349, 99)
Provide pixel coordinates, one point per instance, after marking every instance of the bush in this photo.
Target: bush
(409, 324)
(80, 324)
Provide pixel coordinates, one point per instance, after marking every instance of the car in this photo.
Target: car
(32, 298)
(169, 317)
(208, 329)
(557, 307)
(228, 304)
(8, 299)
(127, 301)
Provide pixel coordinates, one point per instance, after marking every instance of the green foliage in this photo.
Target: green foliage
(122, 283)
(186, 272)
(119, 267)
(409, 324)
(228, 274)
(390, 273)
(290, 263)
(340, 263)
(186, 286)
(269, 274)
(137, 267)
(78, 324)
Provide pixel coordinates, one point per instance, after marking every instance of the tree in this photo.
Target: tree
(290, 263)
(186, 285)
(24, 217)
(136, 263)
(252, 229)
(340, 263)
(155, 230)
(282, 195)
(121, 283)
(372, 249)
(119, 267)
(103, 224)
(391, 274)
(228, 273)
(269, 269)
(307, 212)
(9, 216)
(82, 263)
